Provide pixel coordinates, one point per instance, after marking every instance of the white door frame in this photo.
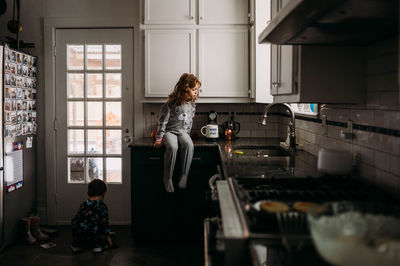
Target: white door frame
(50, 26)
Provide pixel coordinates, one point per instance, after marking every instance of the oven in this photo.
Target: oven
(243, 234)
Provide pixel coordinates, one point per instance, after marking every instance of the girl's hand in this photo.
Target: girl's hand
(158, 143)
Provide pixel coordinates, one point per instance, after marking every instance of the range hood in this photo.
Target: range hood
(333, 22)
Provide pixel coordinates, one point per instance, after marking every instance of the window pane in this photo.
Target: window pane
(76, 141)
(113, 56)
(95, 141)
(113, 141)
(114, 170)
(75, 85)
(76, 170)
(75, 113)
(94, 57)
(305, 108)
(74, 57)
(95, 113)
(95, 168)
(94, 85)
(113, 113)
(113, 85)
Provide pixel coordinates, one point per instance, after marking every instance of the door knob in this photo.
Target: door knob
(127, 139)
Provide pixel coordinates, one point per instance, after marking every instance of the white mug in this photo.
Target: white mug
(211, 131)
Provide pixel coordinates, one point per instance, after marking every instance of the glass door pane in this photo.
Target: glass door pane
(94, 112)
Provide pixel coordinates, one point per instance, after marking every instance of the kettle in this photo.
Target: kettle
(230, 128)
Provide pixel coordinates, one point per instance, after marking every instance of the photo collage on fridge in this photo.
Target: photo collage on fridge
(19, 93)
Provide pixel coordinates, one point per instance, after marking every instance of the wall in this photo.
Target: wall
(246, 114)
(34, 195)
(376, 145)
(23, 201)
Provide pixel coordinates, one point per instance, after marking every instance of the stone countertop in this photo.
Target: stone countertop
(235, 165)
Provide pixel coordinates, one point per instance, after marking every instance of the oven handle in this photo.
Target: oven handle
(207, 259)
(211, 181)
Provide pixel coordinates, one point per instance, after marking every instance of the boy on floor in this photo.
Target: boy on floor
(90, 227)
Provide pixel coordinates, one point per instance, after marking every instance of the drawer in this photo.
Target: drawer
(147, 156)
(204, 157)
(150, 156)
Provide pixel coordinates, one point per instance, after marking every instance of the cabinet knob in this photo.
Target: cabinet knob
(275, 84)
(191, 17)
(201, 18)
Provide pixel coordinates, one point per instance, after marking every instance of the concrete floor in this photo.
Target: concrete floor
(129, 252)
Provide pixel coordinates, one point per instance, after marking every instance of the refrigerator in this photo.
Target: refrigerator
(18, 129)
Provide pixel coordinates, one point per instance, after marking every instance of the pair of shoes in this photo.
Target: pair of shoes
(30, 230)
(75, 248)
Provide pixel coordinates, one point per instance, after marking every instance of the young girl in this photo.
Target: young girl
(174, 125)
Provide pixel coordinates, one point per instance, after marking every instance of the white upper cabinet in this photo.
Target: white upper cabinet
(316, 74)
(169, 12)
(207, 38)
(168, 54)
(223, 62)
(223, 11)
(321, 74)
(260, 54)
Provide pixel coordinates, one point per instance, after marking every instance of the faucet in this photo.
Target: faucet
(292, 132)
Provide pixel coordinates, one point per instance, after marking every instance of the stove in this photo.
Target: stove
(251, 236)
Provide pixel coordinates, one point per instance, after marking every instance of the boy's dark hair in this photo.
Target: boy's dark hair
(96, 187)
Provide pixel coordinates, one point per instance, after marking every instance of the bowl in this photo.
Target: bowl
(356, 233)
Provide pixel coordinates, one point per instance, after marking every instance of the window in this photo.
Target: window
(94, 113)
(305, 108)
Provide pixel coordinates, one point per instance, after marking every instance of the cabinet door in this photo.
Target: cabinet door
(169, 12)
(168, 54)
(260, 66)
(223, 11)
(224, 62)
(281, 61)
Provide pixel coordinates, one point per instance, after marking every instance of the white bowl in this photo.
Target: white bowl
(350, 234)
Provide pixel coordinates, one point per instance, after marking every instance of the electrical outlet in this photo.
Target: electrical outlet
(324, 126)
(350, 126)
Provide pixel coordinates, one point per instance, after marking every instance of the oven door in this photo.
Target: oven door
(211, 255)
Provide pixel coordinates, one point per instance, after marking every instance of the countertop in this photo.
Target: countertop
(235, 165)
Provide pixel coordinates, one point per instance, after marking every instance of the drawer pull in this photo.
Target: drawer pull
(196, 159)
(154, 158)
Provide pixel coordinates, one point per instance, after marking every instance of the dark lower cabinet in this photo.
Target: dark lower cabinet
(157, 214)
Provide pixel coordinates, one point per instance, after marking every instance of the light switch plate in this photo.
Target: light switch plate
(324, 126)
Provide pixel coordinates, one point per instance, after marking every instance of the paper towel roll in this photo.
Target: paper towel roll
(335, 162)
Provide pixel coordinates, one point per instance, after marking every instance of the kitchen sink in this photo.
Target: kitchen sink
(245, 161)
(260, 151)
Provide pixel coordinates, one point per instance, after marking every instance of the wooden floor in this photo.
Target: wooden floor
(129, 252)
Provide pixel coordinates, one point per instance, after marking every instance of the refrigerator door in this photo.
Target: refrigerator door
(1, 147)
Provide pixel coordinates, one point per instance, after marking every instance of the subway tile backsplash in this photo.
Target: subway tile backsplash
(246, 114)
(376, 142)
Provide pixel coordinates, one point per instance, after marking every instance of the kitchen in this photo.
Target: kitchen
(375, 118)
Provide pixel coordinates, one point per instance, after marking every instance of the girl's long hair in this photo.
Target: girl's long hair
(181, 92)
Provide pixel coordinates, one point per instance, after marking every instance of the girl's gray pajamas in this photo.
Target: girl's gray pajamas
(174, 126)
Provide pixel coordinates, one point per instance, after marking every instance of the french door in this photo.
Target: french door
(94, 118)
